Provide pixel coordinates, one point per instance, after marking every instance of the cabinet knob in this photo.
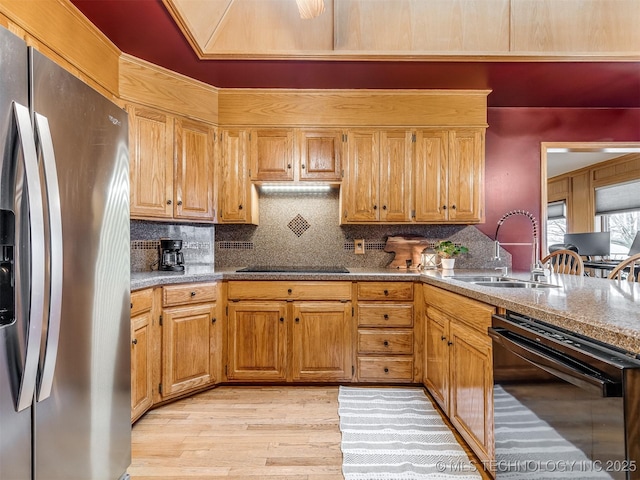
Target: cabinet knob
(303, 167)
(288, 165)
(386, 292)
(386, 370)
(386, 316)
(449, 343)
(443, 337)
(375, 207)
(444, 207)
(131, 304)
(169, 202)
(193, 294)
(289, 291)
(453, 207)
(213, 320)
(384, 207)
(297, 320)
(281, 319)
(179, 202)
(134, 341)
(385, 343)
(240, 207)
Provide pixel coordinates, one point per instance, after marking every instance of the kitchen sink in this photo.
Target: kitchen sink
(511, 283)
(486, 278)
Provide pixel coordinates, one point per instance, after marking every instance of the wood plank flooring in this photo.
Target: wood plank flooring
(241, 432)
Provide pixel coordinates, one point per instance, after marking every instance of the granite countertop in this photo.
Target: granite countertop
(606, 310)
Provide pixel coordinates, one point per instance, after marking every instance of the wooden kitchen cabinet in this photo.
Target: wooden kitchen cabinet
(271, 154)
(171, 167)
(458, 365)
(320, 154)
(289, 331)
(377, 186)
(385, 342)
(237, 197)
(449, 175)
(191, 338)
(141, 352)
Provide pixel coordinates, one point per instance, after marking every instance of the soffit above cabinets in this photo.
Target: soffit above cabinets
(378, 29)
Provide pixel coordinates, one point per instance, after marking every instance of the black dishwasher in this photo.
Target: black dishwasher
(565, 406)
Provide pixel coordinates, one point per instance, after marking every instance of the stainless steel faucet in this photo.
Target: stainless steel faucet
(537, 270)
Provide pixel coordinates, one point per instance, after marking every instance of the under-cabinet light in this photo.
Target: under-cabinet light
(294, 188)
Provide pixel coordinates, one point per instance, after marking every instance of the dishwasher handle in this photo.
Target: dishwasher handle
(555, 363)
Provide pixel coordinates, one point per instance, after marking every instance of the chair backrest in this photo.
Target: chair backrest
(565, 261)
(633, 264)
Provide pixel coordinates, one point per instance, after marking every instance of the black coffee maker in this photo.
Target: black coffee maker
(171, 259)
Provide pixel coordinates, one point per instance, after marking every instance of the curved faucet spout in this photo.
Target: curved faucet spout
(535, 263)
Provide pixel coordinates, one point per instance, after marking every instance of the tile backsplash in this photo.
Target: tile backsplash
(298, 230)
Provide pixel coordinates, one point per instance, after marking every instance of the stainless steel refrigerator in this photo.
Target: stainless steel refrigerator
(64, 274)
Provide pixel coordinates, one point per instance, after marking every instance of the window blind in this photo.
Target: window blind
(556, 210)
(622, 197)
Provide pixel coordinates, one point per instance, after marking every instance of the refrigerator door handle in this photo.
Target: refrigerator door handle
(43, 136)
(37, 264)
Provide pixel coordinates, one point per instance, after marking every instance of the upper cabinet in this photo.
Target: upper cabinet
(171, 166)
(449, 175)
(237, 198)
(288, 154)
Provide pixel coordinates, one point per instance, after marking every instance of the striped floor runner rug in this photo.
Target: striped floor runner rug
(396, 434)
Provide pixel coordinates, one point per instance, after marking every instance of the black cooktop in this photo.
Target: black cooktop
(292, 269)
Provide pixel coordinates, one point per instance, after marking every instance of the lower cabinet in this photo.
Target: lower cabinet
(458, 365)
(283, 331)
(141, 352)
(191, 338)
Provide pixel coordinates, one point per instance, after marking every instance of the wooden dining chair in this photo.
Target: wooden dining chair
(565, 261)
(633, 263)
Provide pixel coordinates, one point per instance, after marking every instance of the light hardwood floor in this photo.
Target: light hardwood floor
(241, 432)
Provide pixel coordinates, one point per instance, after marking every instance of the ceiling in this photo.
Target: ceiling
(145, 29)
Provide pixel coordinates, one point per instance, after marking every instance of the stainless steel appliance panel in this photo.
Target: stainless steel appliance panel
(15, 429)
(86, 421)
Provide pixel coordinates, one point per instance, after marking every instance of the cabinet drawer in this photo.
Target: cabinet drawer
(385, 315)
(269, 290)
(141, 301)
(385, 291)
(189, 294)
(385, 341)
(475, 314)
(375, 369)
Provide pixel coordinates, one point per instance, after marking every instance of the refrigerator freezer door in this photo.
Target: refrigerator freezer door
(15, 430)
(83, 429)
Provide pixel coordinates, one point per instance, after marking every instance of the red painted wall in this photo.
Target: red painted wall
(513, 160)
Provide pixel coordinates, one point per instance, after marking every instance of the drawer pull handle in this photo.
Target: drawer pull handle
(386, 316)
(443, 337)
(386, 370)
(386, 292)
(169, 202)
(289, 291)
(449, 343)
(386, 343)
(134, 341)
(179, 202)
(193, 294)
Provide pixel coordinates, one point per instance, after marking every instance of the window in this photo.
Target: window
(618, 212)
(556, 222)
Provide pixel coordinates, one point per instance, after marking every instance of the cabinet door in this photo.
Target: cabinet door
(141, 380)
(186, 348)
(430, 175)
(320, 154)
(272, 154)
(396, 156)
(257, 338)
(151, 163)
(436, 367)
(466, 175)
(362, 177)
(322, 349)
(234, 191)
(194, 170)
(471, 395)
